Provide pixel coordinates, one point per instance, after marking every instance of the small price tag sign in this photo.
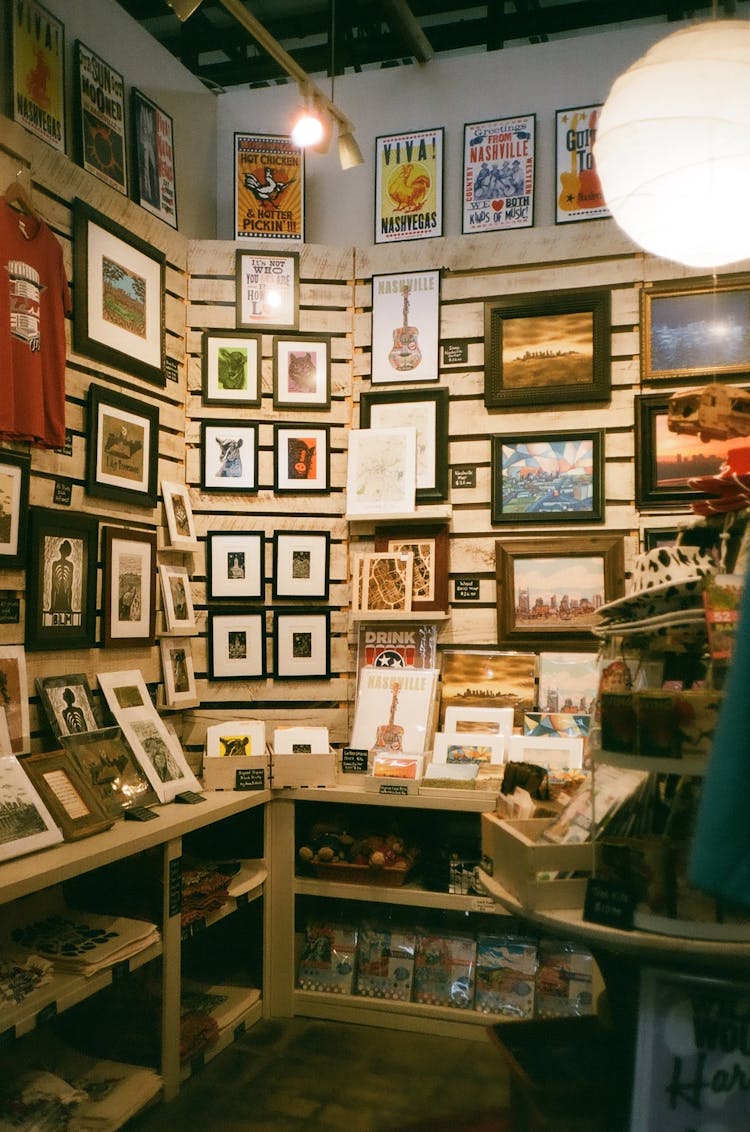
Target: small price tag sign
(250, 778)
(353, 761)
(464, 476)
(455, 352)
(10, 608)
(609, 903)
(466, 589)
(393, 788)
(63, 492)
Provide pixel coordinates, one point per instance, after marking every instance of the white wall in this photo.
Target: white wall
(536, 79)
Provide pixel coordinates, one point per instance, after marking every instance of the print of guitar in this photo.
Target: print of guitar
(571, 185)
(405, 353)
(390, 735)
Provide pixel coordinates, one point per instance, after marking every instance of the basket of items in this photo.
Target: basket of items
(373, 859)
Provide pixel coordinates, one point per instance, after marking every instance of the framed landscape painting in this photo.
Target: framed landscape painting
(548, 478)
(25, 822)
(122, 447)
(666, 461)
(691, 333)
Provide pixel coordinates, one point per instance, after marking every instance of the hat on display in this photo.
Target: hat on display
(665, 579)
(730, 487)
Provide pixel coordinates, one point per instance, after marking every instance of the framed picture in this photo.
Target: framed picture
(14, 697)
(666, 461)
(487, 678)
(381, 473)
(231, 368)
(64, 791)
(100, 105)
(178, 512)
(695, 334)
(426, 410)
(110, 769)
(68, 703)
(267, 290)
(236, 645)
(178, 600)
(61, 580)
(119, 279)
(129, 590)
(542, 749)
(229, 456)
(409, 186)
(547, 348)
(301, 458)
(14, 506)
(429, 549)
(39, 50)
(405, 327)
(180, 689)
(301, 644)
(26, 822)
(5, 746)
(155, 746)
(269, 188)
(302, 372)
(578, 190)
(461, 747)
(301, 565)
(122, 447)
(153, 159)
(382, 582)
(554, 477)
(498, 174)
(235, 566)
(549, 590)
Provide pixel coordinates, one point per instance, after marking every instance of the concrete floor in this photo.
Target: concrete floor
(310, 1076)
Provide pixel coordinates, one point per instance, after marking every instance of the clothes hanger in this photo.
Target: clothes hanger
(17, 195)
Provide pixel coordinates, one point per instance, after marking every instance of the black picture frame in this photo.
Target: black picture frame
(565, 333)
(128, 587)
(122, 447)
(301, 458)
(399, 407)
(61, 579)
(236, 644)
(257, 276)
(310, 388)
(229, 456)
(235, 565)
(68, 704)
(154, 187)
(122, 327)
(15, 474)
(552, 484)
(666, 460)
(301, 565)
(679, 342)
(231, 368)
(301, 644)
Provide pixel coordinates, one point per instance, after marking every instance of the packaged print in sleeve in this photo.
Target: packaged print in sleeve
(34, 300)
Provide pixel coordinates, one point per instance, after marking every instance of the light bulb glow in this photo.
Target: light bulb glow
(307, 130)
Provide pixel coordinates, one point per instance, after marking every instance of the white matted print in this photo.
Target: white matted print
(462, 748)
(301, 458)
(568, 681)
(235, 564)
(179, 515)
(179, 674)
(231, 368)
(548, 751)
(301, 564)
(301, 644)
(236, 645)
(405, 327)
(236, 738)
(178, 601)
(381, 476)
(301, 741)
(25, 822)
(14, 696)
(302, 372)
(229, 456)
(489, 721)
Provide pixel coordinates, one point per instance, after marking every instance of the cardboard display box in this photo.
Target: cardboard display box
(512, 854)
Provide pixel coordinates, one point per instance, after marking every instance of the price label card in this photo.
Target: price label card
(250, 778)
(608, 903)
(353, 761)
(395, 788)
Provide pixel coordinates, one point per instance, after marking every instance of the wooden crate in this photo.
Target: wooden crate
(241, 772)
(513, 855)
(303, 770)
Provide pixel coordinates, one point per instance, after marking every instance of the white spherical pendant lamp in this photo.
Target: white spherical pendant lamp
(673, 146)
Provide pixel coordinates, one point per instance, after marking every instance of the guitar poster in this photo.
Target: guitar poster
(498, 174)
(577, 187)
(405, 327)
(394, 709)
(409, 186)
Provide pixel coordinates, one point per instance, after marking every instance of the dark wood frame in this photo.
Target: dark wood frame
(213, 539)
(78, 681)
(609, 548)
(439, 396)
(709, 297)
(438, 535)
(321, 615)
(235, 616)
(648, 495)
(139, 101)
(239, 401)
(545, 305)
(261, 324)
(111, 535)
(15, 554)
(73, 829)
(595, 514)
(62, 525)
(100, 396)
(301, 402)
(92, 136)
(322, 590)
(87, 338)
(286, 486)
(113, 799)
(229, 484)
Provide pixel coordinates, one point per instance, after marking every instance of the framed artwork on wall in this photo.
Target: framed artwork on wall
(180, 689)
(548, 477)
(409, 186)
(427, 411)
(428, 546)
(578, 190)
(122, 447)
(695, 333)
(269, 188)
(498, 174)
(235, 566)
(15, 697)
(178, 600)
(231, 368)
(267, 290)
(381, 471)
(301, 644)
(301, 564)
(405, 327)
(549, 590)
(38, 40)
(129, 589)
(229, 456)
(66, 794)
(666, 461)
(302, 372)
(547, 348)
(61, 580)
(178, 512)
(14, 506)
(382, 582)
(236, 645)
(100, 105)
(153, 159)
(301, 458)
(119, 280)
(68, 703)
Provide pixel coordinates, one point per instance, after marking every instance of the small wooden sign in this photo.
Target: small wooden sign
(455, 352)
(250, 778)
(67, 448)
(175, 886)
(607, 902)
(392, 788)
(63, 493)
(464, 476)
(466, 589)
(171, 369)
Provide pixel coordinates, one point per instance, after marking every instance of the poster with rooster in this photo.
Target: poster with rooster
(409, 186)
(578, 191)
(498, 174)
(39, 72)
(269, 188)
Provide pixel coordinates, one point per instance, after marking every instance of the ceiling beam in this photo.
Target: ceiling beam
(403, 21)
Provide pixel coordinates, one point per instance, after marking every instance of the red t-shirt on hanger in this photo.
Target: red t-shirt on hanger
(34, 300)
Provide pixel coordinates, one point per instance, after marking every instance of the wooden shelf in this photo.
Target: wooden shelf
(427, 514)
(408, 895)
(471, 801)
(414, 1016)
(252, 1013)
(389, 615)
